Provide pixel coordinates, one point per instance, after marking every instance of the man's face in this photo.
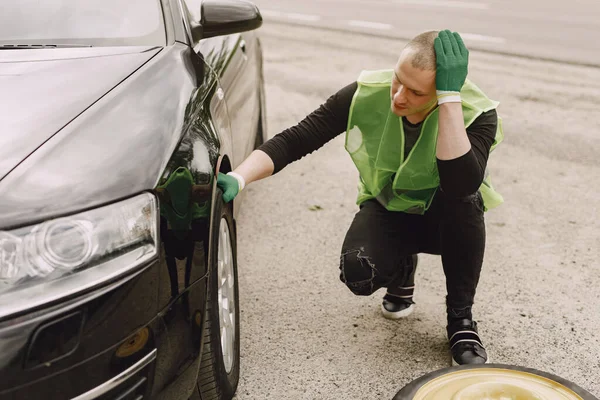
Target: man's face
(413, 89)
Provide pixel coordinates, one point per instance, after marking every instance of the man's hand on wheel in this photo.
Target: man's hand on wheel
(229, 185)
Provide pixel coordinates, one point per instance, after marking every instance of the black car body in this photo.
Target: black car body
(113, 234)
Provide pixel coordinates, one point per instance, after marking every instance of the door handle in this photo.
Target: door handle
(243, 45)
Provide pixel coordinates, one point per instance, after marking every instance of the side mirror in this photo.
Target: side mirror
(224, 17)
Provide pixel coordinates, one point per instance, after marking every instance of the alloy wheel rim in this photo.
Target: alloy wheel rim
(226, 295)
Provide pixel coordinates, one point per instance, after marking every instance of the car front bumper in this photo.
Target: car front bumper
(98, 345)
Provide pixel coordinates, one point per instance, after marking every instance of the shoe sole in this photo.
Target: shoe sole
(398, 314)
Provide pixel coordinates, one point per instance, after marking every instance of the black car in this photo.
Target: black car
(118, 274)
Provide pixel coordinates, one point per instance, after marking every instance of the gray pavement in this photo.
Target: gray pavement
(305, 336)
(561, 30)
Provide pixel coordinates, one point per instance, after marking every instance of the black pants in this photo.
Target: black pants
(380, 244)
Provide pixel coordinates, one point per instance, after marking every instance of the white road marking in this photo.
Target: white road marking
(270, 13)
(303, 17)
(368, 24)
(376, 25)
(482, 38)
(296, 16)
(445, 3)
(476, 37)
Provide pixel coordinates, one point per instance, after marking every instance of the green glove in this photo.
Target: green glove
(452, 59)
(229, 185)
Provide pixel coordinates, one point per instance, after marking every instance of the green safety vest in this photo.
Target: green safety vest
(375, 141)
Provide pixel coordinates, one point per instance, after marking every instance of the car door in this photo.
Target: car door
(239, 81)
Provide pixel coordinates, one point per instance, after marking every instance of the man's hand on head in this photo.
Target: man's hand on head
(452, 61)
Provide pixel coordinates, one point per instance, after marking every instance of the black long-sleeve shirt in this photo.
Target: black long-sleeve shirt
(458, 177)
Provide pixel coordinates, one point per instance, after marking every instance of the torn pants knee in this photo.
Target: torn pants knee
(358, 272)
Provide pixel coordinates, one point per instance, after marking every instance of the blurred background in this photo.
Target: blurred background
(304, 335)
(553, 30)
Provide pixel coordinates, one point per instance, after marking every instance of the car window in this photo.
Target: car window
(87, 22)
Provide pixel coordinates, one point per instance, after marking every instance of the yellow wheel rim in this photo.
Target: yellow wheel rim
(494, 384)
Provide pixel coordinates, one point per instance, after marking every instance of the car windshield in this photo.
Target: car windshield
(82, 23)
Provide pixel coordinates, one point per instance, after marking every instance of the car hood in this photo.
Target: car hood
(43, 90)
(118, 147)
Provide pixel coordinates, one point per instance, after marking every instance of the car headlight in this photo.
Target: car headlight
(63, 253)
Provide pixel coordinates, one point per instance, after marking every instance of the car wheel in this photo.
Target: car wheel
(491, 381)
(220, 366)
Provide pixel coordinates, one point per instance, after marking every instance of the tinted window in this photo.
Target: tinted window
(82, 22)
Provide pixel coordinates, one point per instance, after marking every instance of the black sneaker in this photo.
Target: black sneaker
(465, 344)
(398, 300)
(396, 308)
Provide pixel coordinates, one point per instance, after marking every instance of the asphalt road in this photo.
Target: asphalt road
(305, 336)
(561, 30)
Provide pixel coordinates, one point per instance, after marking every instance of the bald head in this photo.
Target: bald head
(422, 52)
(413, 89)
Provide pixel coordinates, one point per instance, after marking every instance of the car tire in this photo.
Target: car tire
(409, 391)
(219, 372)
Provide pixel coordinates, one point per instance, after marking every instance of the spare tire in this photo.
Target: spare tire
(491, 382)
